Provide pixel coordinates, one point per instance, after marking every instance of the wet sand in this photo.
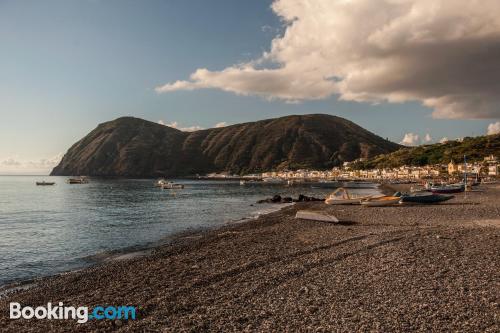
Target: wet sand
(383, 269)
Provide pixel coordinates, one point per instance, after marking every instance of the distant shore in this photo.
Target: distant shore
(402, 268)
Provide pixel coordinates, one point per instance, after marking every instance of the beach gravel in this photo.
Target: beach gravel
(431, 268)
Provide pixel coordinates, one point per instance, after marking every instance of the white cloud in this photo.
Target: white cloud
(221, 124)
(175, 125)
(441, 53)
(427, 137)
(493, 128)
(444, 140)
(191, 128)
(410, 139)
(14, 165)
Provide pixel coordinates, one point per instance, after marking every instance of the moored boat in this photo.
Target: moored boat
(380, 201)
(44, 183)
(171, 186)
(453, 188)
(273, 180)
(79, 180)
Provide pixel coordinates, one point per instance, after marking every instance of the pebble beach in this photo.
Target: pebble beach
(381, 269)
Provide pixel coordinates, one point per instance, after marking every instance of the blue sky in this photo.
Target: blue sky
(68, 65)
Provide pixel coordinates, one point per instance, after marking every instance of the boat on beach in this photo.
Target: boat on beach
(425, 198)
(79, 180)
(452, 188)
(380, 201)
(342, 196)
(316, 216)
(44, 183)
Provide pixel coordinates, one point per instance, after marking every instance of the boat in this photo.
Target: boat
(316, 216)
(380, 201)
(80, 180)
(425, 198)
(328, 184)
(44, 183)
(342, 197)
(273, 180)
(160, 182)
(171, 186)
(242, 182)
(359, 184)
(452, 188)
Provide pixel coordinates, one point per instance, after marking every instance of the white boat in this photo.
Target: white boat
(160, 182)
(342, 197)
(171, 186)
(316, 216)
(273, 180)
(242, 182)
(381, 201)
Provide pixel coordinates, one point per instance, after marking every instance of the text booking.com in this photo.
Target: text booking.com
(81, 314)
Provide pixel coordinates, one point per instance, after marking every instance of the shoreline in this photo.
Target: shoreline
(137, 251)
(389, 268)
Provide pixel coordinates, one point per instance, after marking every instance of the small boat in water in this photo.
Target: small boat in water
(452, 188)
(242, 182)
(273, 180)
(44, 183)
(380, 201)
(342, 197)
(359, 184)
(425, 198)
(80, 180)
(160, 182)
(171, 186)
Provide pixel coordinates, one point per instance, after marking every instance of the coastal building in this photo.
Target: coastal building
(452, 167)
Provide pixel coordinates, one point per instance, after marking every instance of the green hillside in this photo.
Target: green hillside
(474, 148)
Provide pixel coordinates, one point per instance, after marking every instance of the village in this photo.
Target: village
(488, 169)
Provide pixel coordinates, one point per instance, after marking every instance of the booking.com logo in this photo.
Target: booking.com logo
(81, 313)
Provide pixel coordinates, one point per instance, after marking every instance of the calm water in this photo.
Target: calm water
(49, 229)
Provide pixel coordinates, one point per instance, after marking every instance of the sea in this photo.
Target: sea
(45, 230)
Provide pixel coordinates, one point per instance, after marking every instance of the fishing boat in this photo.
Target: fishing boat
(452, 188)
(44, 183)
(380, 201)
(342, 197)
(171, 186)
(425, 198)
(79, 180)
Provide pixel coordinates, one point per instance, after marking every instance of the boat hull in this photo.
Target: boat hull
(426, 199)
(379, 202)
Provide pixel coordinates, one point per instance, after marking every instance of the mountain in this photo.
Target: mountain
(132, 147)
(476, 149)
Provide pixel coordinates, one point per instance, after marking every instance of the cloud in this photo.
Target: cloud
(493, 128)
(427, 138)
(221, 124)
(175, 125)
(16, 165)
(410, 139)
(441, 53)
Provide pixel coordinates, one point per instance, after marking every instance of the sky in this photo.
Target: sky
(413, 71)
